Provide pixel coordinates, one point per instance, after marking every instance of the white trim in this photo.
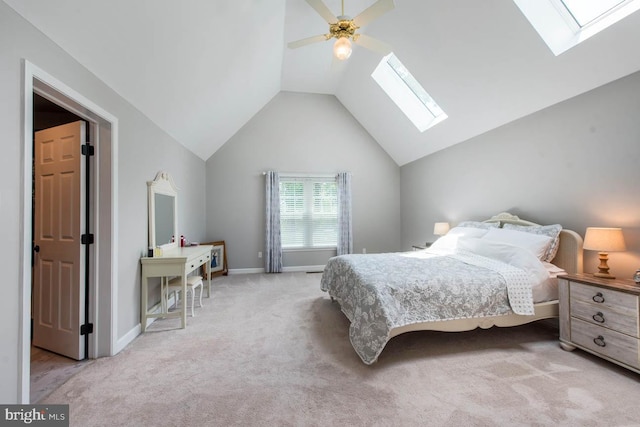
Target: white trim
(294, 269)
(127, 338)
(246, 271)
(307, 249)
(559, 30)
(407, 93)
(24, 337)
(303, 269)
(115, 132)
(137, 330)
(37, 80)
(308, 175)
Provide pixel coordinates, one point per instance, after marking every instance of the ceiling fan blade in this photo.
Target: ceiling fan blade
(372, 12)
(308, 40)
(373, 44)
(323, 10)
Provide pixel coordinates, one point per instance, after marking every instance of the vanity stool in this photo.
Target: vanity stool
(193, 282)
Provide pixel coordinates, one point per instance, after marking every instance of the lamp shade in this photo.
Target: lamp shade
(604, 239)
(441, 228)
(342, 48)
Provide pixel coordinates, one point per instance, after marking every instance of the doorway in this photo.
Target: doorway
(103, 261)
(56, 344)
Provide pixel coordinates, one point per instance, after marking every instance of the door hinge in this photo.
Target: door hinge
(87, 150)
(87, 239)
(86, 329)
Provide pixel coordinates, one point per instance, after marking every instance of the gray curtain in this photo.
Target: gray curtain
(273, 243)
(345, 233)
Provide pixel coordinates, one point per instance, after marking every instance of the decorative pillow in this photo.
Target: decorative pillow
(478, 224)
(535, 243)
(552, 231)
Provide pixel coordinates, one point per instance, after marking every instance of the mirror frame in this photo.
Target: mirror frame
(162, 184)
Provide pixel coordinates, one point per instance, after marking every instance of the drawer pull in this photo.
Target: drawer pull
(599, 341)
(598, 317)
(598, 297)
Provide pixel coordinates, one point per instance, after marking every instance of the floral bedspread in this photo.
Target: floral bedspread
(380, 292)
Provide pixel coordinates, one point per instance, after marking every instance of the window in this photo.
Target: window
(308, 212)
(585, 12)
(563, 24)
(396, 80)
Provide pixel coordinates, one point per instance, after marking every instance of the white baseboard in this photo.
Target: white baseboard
(304, 269)
(246, 270)
(121, 343)
(295, 269)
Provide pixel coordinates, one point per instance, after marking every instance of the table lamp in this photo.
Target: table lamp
(441, 228)
(604, 240)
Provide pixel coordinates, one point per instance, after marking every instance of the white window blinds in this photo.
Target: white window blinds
(308, 212)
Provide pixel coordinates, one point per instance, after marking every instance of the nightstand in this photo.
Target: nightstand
(601, 316)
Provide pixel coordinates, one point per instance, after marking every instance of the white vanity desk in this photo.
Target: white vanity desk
(174, 262)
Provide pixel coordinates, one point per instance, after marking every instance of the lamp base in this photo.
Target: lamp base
(603, 268)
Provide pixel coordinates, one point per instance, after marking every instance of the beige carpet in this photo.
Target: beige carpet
(49, 371)
(272, 350)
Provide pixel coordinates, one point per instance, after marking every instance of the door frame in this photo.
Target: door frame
(103, 260)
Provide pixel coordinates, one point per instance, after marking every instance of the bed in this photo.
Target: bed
(499, 272)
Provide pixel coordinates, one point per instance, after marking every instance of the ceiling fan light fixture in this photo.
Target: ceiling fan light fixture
(342, 48)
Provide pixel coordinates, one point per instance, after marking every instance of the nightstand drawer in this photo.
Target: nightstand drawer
(604, 316)
(606, 342)
(620, 301)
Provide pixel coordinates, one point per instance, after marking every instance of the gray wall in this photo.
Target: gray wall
(576, 163)
(304, 133)
(143, 150)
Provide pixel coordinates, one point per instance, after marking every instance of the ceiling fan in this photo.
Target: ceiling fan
(343, 28)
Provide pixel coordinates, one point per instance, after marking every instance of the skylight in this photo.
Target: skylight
(584, 12)
(407, 93)
(563, 24)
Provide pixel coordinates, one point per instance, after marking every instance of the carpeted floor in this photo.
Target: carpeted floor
(272, 350)
(49, 371)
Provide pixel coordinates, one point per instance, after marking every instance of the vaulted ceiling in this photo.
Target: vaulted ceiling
(200, 69)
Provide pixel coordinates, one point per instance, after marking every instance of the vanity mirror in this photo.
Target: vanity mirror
(163, 211)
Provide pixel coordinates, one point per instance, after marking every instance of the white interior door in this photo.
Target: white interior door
(59, 262)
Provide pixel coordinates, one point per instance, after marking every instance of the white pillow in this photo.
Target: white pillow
(553, 269)
(552, 231)
(449, 241)
(509, 254)
(535, 243)
(467, 232)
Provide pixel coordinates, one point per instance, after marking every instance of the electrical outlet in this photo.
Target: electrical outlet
(259, 254)
(364, 250)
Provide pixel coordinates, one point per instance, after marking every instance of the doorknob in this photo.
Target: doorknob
(36, 248)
